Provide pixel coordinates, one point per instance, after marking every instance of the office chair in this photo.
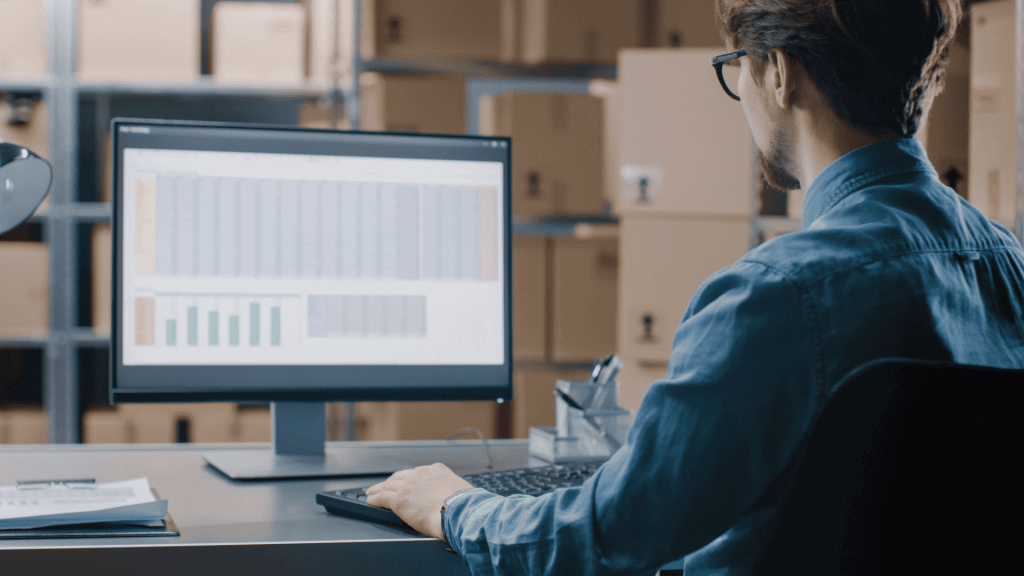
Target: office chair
(911, 468)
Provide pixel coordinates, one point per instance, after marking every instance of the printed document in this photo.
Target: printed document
(125, 502)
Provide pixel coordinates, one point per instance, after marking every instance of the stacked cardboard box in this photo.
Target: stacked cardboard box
(946, 130)
(557, 165)
(684, 196)
(138, 40)
(23, 39)
(533, 397)
(101, 278)
(161, 423)
(429, 104)
(258, 42)
(24, 288)
(424, 420)
(571, 31)
(689, 23)
(564, 297)
(992, 185)
(23, 426)
(449, 29)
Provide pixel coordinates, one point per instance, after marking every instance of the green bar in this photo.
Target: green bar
(254, 324)
(275, 326)
(214, 329)
(172, 332)
(233, 329)
(193, 326)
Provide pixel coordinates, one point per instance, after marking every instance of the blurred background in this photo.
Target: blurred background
(634, 175)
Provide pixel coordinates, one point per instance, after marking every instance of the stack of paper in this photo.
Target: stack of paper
(126, 502)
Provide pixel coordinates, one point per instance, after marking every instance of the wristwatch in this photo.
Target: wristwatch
(444, 506)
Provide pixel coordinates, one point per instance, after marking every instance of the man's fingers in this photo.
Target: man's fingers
(379, 499)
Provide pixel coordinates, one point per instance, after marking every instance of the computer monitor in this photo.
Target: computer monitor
(297, 266)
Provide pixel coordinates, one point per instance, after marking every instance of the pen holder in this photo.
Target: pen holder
(592, 433)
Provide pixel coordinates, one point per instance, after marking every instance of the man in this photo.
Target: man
(891, 264)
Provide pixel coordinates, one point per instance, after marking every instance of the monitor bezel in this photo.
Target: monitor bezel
(436, 383)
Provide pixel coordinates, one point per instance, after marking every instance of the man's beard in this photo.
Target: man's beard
(775, 164)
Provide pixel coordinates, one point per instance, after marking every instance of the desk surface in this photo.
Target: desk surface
(230, 527)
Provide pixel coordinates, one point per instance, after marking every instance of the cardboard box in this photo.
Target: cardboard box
(685, 146)
(571, 31)
(430, 104)
(533, 396)
(315, 115)
(558, 158)
(251, 424)
(529, 297)
(29, 126)
(160, 423)
(105, 425)
(447, 29)
(24, 426)
(946, 130)
(424, 420)
(323, 29)
(795, 204)
(608, 92)
(258, 42)
(102, 271)
(664, 261)
(138, 40)
(635, 378)
(689, 23)
(23, 39)
(992, 172)
(584, 292)
(24, 288)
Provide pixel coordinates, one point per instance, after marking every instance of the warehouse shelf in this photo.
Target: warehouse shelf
(88, 338)
(16, 341)
(205, 86)
(778, 224)
(558, 226)
(488, 69)
(27, 85)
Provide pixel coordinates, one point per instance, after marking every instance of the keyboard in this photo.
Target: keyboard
(530, 481)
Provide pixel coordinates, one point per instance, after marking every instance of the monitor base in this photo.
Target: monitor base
(266, 465)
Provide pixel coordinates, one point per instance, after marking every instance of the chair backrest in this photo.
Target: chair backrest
(911, 467)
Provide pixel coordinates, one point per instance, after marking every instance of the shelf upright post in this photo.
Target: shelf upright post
(1019, 50)
(353, 110)
(60, 378)
(353, 106)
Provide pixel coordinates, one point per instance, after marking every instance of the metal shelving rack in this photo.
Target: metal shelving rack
(61, 90)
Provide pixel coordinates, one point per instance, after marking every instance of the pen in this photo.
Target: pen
(40, 484)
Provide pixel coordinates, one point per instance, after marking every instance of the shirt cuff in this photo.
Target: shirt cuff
(462, 502)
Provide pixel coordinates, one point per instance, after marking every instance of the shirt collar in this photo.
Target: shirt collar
(860, 168)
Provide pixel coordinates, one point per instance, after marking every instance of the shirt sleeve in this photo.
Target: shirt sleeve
(741, 390)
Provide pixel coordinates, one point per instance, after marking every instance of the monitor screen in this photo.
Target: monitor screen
(264, 263)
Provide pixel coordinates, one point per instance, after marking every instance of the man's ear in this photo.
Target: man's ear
(780, 77)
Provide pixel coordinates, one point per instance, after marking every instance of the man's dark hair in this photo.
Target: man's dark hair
(879, 63)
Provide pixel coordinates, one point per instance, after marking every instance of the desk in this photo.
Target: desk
(244, 528)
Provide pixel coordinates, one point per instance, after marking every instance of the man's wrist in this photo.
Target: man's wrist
(444, 508)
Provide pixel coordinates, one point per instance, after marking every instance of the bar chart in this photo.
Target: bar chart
(212, 320)
(190, 226)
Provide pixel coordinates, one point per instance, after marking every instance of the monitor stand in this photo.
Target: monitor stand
(297, 441)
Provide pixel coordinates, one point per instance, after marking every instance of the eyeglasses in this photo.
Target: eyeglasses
(730, 59)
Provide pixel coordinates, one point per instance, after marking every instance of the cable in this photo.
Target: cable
(457, 433)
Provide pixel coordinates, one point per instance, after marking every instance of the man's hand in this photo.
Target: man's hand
(417, 495)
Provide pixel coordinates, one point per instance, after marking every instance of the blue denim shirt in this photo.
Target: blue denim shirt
(891, 263)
